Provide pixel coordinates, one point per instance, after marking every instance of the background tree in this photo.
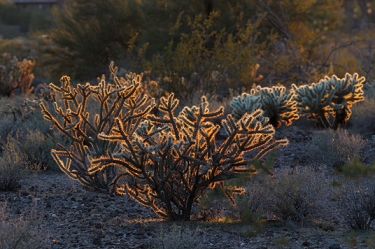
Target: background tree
(89, 34)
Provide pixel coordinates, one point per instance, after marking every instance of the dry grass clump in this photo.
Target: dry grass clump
(298, 194)
(180, 237)
(334, 148)
(22, 120)
(12, 166)
(363, 118)
(21, 233)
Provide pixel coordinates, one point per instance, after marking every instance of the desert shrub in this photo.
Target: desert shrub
(37, 148)
(15, 75)
(179, 237)
(298, 194)
(335, 148)
(363, 118)
(252, 204)
(21, 233)
(358, 206)
(22, 119)
(356, 170)
(12, 165)
(83, 112)
(329, 102)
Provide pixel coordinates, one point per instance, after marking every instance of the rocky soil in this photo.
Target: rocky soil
(71, 217)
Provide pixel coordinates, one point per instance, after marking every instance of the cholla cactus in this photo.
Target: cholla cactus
(171, 160)
(331, 98)
(245, 103)
(277, 105)
(15, 75)
(122, 100)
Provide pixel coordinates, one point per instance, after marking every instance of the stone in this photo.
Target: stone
(335, 246)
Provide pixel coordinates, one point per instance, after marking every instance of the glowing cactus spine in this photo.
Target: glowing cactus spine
(329, 101)
(276, 102)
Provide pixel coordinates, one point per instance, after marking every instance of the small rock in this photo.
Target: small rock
(334, 246)
(130, 210)
(306, 243)
(328, 228)
(97, 241)
(269, 234)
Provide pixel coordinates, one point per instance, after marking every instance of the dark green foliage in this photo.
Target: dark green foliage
(27, 19)
(97, 32)
(207, 61)
(356, 170)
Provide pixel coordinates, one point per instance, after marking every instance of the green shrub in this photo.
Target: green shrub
(206, 60)
(37, 148)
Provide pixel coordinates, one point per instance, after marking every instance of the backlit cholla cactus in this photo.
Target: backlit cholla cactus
(171, 160)
(278, 105)
(245, 103)
(329, 101)
(276, 102)
(15, 75)
(83, 112)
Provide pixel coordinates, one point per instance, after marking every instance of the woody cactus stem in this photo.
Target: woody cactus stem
(121, 100)
(171, 160)
(329, 102)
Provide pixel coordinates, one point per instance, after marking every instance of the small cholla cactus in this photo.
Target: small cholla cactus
(245, 103)
(169, 161)
(83, 112)
(277, 104)
(15, 75)
(329, 99)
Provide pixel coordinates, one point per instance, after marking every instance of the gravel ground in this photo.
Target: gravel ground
(68, 216)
